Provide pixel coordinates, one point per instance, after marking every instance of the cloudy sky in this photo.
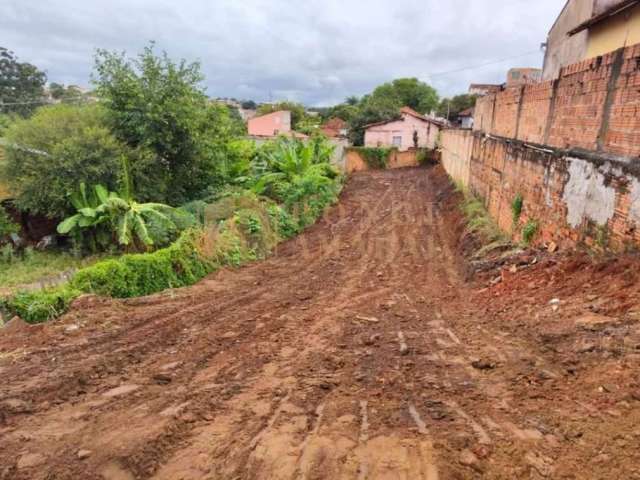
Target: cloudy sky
(314, 51)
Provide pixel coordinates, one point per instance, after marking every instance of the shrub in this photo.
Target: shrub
(7, 225)
(155, 103)
(516, 208)
(58, 148)
(375, 157)
(529, 231)
(43, 305)
(239, 227)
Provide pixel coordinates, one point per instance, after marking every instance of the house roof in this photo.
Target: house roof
(467, 112)
(609, 12)
(406, 111)
(333, 127)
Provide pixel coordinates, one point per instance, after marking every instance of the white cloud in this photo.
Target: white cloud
(316, 51)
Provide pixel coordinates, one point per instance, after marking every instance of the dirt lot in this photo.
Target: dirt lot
(358, 351)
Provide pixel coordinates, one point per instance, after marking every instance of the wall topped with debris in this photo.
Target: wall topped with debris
(571, 196)
(593, 104)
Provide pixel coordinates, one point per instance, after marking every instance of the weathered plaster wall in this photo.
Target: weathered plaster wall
(382, 135)
(561, 48)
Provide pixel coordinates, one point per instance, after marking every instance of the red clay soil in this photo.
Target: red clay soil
(357, 351)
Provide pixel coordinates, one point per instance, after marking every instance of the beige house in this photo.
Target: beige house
(403, 133)
(589, 28)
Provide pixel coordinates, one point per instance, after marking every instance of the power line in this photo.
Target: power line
(484, 64)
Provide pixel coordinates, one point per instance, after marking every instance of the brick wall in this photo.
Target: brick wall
(355, 162)
(575, 197)
(456, 146)
(594, 105)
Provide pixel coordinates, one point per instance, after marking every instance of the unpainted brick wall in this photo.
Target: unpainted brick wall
(573, 200)
(594, 104)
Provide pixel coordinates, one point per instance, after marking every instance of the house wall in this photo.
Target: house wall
(561, 49)
(574, 198)
(270, 124)
(618, 31)
(382, 135)
(594, 104)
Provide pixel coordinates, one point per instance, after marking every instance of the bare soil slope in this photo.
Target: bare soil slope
(356, 352)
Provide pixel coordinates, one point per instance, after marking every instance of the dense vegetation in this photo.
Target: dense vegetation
(21, 85)
(157, 178)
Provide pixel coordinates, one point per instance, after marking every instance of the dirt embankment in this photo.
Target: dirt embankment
(357, 351)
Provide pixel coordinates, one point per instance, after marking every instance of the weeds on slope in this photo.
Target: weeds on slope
(480, 223)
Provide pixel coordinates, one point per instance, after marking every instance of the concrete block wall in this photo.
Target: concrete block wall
(594, 105)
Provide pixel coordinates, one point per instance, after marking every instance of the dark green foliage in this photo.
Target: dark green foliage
(516, 208)
(375, 157)
(21, 85)
(240, 227)
(50, 154)
(453, 106)
(157, 104)
(132, 275)
(385, 102)
(7, 225)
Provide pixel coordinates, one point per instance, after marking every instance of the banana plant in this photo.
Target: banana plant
(88, 222)
(101, 213)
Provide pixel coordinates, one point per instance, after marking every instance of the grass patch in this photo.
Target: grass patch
(478, 219)
(33, 265)
(516, 208)
(375, 157)
(529, 231)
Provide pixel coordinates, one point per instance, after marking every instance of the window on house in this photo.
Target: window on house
(397, 141)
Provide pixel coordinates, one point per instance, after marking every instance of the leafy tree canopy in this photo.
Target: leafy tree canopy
(456, 104)
(60, 146)
(249, 105)
(385, 102)
(409, 92)
(21, 85)
(156, 103)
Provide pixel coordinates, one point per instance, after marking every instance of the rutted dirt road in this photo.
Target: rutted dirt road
(357, 351)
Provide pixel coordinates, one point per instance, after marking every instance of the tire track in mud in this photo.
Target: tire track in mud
(342, 356)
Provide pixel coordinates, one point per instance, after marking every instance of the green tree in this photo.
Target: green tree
(385, 102)
(57, 90)
(297, 111)
(373, 108)
(155, 103)
(60, 146)
(410, 92)
(21, 85)
(453, 106)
